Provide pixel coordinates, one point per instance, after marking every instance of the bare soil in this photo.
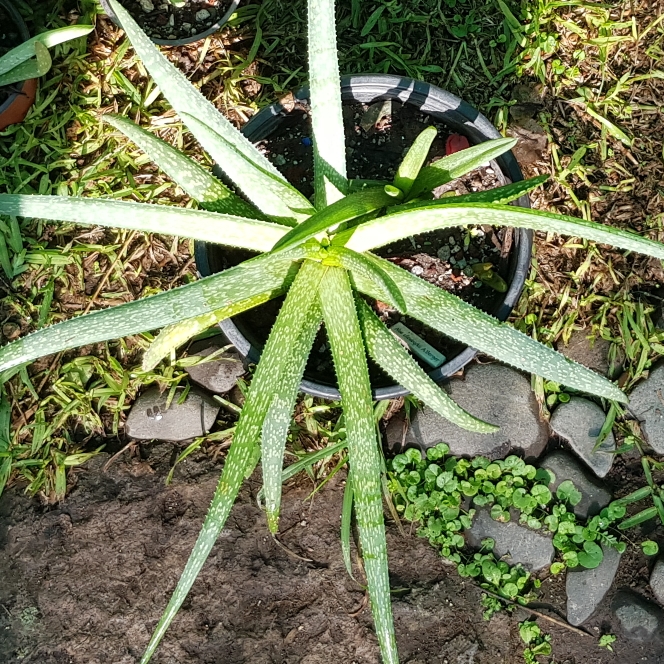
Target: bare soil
(85, 582)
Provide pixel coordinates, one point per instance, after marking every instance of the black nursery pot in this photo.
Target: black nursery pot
(181, 42)
(442, 106)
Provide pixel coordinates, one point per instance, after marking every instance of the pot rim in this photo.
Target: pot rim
(188, 40)
(18, 21)
(443, 106)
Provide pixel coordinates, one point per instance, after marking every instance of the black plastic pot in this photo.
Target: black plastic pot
(441, 105)
(189, 40)
(16, 106)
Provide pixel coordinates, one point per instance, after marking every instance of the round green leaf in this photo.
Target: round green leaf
(569, 493)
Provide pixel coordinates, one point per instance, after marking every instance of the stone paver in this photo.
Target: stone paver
(657, 580)
(219, 375)
(513, 543)
(565, 467)
(594, 355)
(647, 404)
(579, 422)
(586, 588)
(149, 419)
(492, 392)
(639, 619)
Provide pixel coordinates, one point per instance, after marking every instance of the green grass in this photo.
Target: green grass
(472, 47)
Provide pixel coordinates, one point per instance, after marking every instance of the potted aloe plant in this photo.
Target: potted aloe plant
(320, 255)
(28, 60)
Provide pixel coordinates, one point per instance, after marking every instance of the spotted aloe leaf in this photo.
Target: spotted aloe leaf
(168, 220)
(217, 135)
(270, 194)
(330, 183)
(199, 183)
(500, 195)
(461, 321)
(394, 359)
(365, 264)
(344, 210)
(174, 336)
(34, 68)
(303, 302)
(281, 367)
(393, 227)
(236, 284)
(340, 317)
(455, 165)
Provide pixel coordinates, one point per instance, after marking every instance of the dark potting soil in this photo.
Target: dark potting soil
(377, 138)
(9, 38)
(85, 582)
(162, 20)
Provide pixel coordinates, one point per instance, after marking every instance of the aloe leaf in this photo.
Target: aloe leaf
(348, 208)
(393, 358)
(384, 230)
(461, 321)
(357, 184)
(350, 364)
(225, 143)
(174, 336)
(270, 194)
(168, 220)
(26, 50)
(233, 285)
(355, 262)
(183, 96)
(346, 521)
(330, 183)
(455, 165)
(499, 195)
(199, 183)
(282, 364)
(303, 313)
(34, 68)
(412, 163)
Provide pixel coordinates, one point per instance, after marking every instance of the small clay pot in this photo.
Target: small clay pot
(17, 105)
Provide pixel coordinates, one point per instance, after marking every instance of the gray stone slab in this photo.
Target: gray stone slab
(657, 580)
(494, 393)
(513, 543)
(647, 404)
(579, 422)
(565, 467)
(149, 419)
(586, 588)
(592, 354)
(639, 619)
(219, 375)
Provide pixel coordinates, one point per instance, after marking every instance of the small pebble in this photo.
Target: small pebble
(202, 15)
(306, 141)
(146, 5)
(417, 270)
